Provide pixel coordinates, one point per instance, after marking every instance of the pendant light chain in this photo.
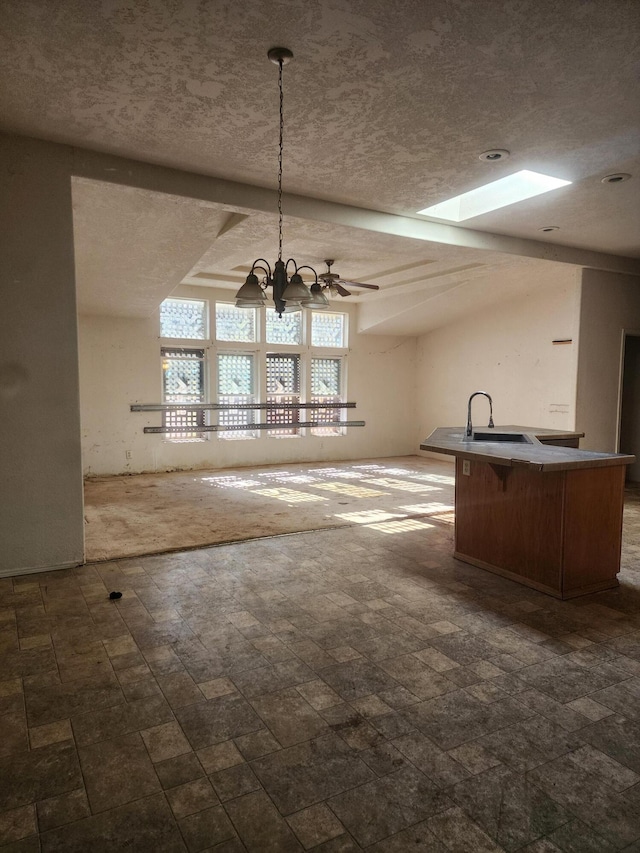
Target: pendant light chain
(280, 63)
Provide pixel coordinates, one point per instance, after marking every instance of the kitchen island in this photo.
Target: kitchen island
(532, 507)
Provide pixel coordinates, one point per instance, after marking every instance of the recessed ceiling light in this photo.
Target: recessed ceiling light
(549, 228)
(494, 155)
(497, 194)
(618, 178)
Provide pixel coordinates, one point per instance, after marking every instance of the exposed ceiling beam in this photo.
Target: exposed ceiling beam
(134, 173)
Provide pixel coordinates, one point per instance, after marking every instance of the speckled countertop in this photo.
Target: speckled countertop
(540, 457)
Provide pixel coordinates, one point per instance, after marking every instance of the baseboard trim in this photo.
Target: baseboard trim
(33, 570)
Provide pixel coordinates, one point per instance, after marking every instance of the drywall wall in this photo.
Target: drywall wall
(41, 493)
(507, 350)
(610, 305)
(120, 365)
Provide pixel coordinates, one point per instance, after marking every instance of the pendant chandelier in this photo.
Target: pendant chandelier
(289, 291)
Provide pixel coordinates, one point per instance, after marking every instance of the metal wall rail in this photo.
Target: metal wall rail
(250, 427)
(225, 407)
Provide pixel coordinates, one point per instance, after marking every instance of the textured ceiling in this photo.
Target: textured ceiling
(387, 107)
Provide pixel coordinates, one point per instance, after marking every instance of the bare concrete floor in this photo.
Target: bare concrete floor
(154, 513)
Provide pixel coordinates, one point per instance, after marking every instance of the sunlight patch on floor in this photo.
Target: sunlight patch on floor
(402, 526)
(368, 516)
(290, 495)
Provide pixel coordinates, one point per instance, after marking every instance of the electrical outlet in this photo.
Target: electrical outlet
(127, 454)
(466, 467)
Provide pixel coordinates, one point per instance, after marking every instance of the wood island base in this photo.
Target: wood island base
(559, 532)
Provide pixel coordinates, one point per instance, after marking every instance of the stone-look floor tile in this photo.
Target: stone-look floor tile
(121, 719)
(383, 758)
(180, 689)
(474, 757)
(165, 741)
(590, 709)
(117, 772)
(530, 743)
(456, 717)
(289, 717)
(438, 661)
(39, 774)
(179, 770)
(49, 702)
(191, 797)
(315, 825)
(416, 676)
(13, 728)
(67, 808)
(614, 774)
(208, 830)
(342, 654)
(217, 720)
(430, 759)
(358, 733)
(217, 687)
(268, 679)
(318, 694)
(122, 645)
(617, 737)
(16, 824)
(51, 733)
(39, 641)
(257, 744)
(460, 834)
(371, 706)
(234, 782)
(10, 687)
(259, 825)
(141, 690)
(391, 726)
(576, 837)
(146, 824)
(417, 839)
(357, 679)
(383, 807)
(220, 756)
(309, 772)
(589, 798)
(509, 808)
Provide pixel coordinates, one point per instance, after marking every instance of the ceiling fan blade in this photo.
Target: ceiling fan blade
(341, 290)
(359, 284)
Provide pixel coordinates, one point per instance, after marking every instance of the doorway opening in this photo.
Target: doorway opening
(629, 427)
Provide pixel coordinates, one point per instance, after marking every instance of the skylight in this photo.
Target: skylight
(500, 193)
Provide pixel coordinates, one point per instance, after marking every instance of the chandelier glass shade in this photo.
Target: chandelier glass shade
(289, 291)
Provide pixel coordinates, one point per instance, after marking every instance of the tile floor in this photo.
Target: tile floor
(337, 691)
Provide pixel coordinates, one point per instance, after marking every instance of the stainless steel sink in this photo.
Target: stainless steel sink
(507, 437)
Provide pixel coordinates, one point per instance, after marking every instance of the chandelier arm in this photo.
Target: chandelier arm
(307, 267)
(256, 267)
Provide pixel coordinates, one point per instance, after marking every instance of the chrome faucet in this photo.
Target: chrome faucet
(469, 430)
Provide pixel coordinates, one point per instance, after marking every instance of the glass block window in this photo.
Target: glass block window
(183, 382)
(328, 330)
(184, 318)
(326, 388)
(283, 386)
(283, 330)
(235, 324)
(236, 385)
